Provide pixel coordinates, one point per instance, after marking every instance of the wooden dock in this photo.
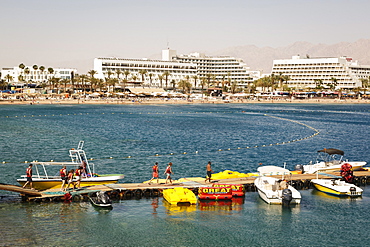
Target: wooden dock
(123, 191)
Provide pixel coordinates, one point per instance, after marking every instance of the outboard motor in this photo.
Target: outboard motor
(286, 197)
(298, 167)
(352, 190)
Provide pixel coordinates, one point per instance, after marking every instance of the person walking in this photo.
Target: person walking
(63, 176)
(155, 173)
(169, 172)
(78, 175)
(209, 171)
(29, 176)
(70, 179)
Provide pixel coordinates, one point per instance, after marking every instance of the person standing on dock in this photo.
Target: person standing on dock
(209, 171)
(29, 176)
(70, 179)
(168, 172)
(155, 173)
(78, 175)
(63, 176)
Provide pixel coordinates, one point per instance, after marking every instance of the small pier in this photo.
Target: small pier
(124, 191)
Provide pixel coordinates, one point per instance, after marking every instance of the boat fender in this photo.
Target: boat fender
(287, 196)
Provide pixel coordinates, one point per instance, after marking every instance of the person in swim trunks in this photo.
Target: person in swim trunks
(209, 171)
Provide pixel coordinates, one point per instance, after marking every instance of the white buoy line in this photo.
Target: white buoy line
(218, 150)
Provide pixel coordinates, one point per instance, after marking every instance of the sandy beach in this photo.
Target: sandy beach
(69, 101)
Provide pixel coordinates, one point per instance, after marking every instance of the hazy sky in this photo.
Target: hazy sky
(58, 33)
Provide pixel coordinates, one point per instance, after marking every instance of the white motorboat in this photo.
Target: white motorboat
(276, 191)
(337, 187)
(329, 160)
(42, 180)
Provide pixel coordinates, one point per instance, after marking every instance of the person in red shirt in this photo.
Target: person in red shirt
(168, 172)
(63, 176)
(155, 173)
(78, 175)
(29, 176)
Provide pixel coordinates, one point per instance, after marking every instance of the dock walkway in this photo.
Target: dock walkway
(138, 190)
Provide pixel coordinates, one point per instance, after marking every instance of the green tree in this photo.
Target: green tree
(21, 66)
(184, 85)
(166, 74)
(150, 78)
(195, 77)
(143, 72)
(160, 78)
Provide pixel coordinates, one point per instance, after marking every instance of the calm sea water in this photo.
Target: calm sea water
(234, 137)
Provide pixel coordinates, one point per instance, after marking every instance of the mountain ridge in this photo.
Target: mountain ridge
(261, 58)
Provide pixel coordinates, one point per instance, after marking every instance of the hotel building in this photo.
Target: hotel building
(29, 75)
(180, 67)
(305, 72)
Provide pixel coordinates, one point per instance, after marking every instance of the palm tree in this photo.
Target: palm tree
(22, 66)
(118, 72)
(203, 82)
(134, 78)
(42, 69)
(173, 82)
(160, 78)
(195, 77)
(334, 83)
(166, 74)
(150, 78)
(93, 80)
(185, 86)
(83, 79)
(9, 78)
(35, 68)
(143, 72)
(65, 82)
(127, 73)
(27, 71)
(234, 87)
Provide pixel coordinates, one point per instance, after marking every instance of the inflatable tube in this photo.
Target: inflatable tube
(236, 189)
(215, 193)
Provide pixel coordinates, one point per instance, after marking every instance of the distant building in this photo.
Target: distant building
(180, 67)
(306, 72)
(18, 76)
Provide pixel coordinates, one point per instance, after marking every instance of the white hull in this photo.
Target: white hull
(270, 192)
(337, 187)
(330, 167)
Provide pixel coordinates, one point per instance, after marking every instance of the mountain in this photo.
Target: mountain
(261, 58)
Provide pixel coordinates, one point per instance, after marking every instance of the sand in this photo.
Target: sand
(146, 101)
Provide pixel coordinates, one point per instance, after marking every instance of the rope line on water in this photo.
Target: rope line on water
(215, 150)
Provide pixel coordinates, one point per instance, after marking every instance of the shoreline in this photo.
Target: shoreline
(148, 101)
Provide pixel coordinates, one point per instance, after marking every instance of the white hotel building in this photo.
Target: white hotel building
(34, 76)
(179, 66)
(304, 72)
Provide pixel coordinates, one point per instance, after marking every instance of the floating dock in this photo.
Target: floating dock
(122, 191)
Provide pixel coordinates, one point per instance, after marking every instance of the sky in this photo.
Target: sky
(71, 33)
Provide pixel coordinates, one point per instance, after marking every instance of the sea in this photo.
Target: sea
(129, 139)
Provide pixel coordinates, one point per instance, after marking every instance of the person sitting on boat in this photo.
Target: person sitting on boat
(168, 172)
(84, 171)
(155, 173)
(63, 176)
(29, 176)
(78, 175)
(283, 184)
(70, 179)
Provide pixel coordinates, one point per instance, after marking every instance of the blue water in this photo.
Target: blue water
(234, 137)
